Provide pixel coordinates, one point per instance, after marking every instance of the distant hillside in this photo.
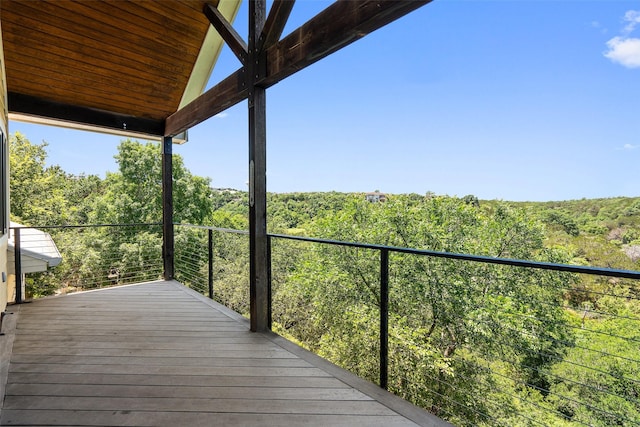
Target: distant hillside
(600, 232)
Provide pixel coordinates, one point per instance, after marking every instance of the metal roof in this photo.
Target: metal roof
(39, 251)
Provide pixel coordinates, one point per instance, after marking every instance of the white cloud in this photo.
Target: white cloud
(633, 19)
(221, 115)
(630, 147)
(624, 51)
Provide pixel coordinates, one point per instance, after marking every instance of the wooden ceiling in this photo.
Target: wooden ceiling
(115, 63)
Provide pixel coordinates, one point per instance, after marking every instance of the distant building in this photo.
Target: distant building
(375, 197)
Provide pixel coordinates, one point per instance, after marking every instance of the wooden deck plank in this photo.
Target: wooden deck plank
(173, 419)
(53, 347)
(160, 354)
(130, 335)
(254, 370)
(226, 359)
(175, 404)
(177, 380)
(102, 316)
(152, 356)
(103, 322)
(192, 392)
(226, 326)
(207, 339)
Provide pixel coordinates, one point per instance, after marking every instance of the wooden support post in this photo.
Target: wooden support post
(210, 264)
(18, 264)
(259, 277)
(167, 208)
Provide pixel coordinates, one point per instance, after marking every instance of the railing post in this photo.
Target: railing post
(210, 263)
(269, 296)
(384, 318)
(18, 264)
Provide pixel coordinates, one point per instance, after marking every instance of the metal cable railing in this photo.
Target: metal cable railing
(474, 339)
(61, 259)
(205, 254)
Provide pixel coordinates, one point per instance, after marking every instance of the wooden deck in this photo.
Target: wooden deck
(159, 354)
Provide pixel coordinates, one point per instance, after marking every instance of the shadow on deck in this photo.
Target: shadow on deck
(160, 354)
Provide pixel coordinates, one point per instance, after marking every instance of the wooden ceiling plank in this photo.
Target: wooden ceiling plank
(126, 31)
(157, 28)
(225, 94)
(182, 16)
(337, 26)
(35, 43)
(124, 52)
(276, 21)
(84, 73)
(231, 37)
(107, 104)
(34, 106)
(117, 104)
(65, 88)
(89, 26)
(59, 91)
(115, 81)
(68, 89)
(185, 12)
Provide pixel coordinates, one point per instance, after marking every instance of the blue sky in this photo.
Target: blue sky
(512, 99)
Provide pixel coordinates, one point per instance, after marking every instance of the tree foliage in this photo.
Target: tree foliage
(134, 193)
(45, 195)
(453, 323)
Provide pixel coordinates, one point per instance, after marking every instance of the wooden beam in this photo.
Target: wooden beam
(227, 32)
(259, 286)
(225, 94)
(33, 106)
(168, 237)
(276, 21)
(337, 26)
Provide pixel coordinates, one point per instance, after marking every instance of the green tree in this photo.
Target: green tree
(37, 192)
(46, 195)
(134, 193)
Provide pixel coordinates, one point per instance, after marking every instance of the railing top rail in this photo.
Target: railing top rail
(569, 268)
(599, 271)
(84, 226)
